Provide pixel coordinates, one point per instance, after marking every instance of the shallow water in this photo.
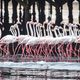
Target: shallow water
(42, 65)
(34, 70)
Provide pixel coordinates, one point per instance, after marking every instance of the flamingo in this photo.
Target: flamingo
(30, 28)
(15, 29)
(5, 41)
(0, 33)
(21, 43)
(1, 29)
(75, 29)
(55, 29)
(45, 28)
(38, 29)
(70, 29)
(49, 29)
(35, 28)
(64, 30)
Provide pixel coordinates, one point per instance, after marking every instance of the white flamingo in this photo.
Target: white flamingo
(64, 30)
(15, 29)
(1, 28)
(6, 40)
(70, 29)
(56, 28)
(35, 28)
(75, 30)
(22, 40)
(0, 33)
(38, 29)
(49, 29)
(44, 28)
(27, 25)
(30, 26)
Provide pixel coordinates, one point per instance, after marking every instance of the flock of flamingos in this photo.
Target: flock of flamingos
(43, 42)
